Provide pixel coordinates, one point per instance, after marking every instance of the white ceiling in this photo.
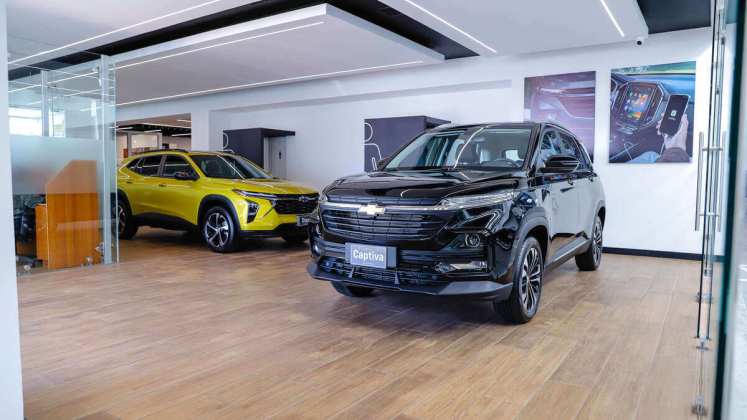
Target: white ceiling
(306, 44)
(315, 42)
(524, 26)
(35, 26)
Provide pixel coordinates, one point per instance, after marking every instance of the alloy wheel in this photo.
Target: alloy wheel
(597, 241)
(217, 230)
(531, 280)
(121, 219)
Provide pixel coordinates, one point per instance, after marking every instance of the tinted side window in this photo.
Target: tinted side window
(554, 143)
(174, 164)
(134, 166)
(149, 165)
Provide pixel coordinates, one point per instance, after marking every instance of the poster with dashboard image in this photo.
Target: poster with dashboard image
(567, 99)
(651, 113)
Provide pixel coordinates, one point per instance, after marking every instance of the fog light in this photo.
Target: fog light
(472, 265)
(472, 240)
(251, 211)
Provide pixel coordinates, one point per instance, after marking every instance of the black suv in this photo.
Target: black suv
(473, 210)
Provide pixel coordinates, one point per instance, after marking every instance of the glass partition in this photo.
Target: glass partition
(63, 157)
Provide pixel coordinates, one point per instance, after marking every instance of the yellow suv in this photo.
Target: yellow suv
(224, 196)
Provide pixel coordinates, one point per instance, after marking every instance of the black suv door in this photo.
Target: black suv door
(559, 192)
(584, 177)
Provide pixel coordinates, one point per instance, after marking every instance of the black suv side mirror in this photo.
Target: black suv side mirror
(185, 176)
(560, 164)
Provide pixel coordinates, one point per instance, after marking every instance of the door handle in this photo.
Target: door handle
(161, 185)
(128, 182)
(699, 184)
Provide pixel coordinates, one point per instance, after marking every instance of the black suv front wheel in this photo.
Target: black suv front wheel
(522, 304)
(219, 230)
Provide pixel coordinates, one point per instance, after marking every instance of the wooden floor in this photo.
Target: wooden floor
(178, 332)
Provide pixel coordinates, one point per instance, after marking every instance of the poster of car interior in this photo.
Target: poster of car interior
(651, 113)
(567, 99)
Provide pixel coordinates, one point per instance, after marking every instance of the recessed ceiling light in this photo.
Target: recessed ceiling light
(152, 131)
(269, 82)
(612, 18)
(450, 25)
(164, 125)
(182, 134)
(126, 28)
(124, 128)
(221, 44)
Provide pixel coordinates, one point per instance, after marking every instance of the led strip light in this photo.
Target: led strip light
(450, 25)
(612, 18)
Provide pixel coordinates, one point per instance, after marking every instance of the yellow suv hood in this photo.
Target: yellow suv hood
(272, 186)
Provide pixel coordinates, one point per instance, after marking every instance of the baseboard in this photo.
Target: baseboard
(658, 254)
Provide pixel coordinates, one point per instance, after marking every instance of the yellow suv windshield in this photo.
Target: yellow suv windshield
(228, 167)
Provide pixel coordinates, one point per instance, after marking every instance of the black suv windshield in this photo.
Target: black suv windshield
(482, 149)
(228, 167)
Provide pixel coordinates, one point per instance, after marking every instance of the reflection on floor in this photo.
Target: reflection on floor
(179, 332)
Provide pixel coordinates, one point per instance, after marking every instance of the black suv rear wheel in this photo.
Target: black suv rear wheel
(522, 304)
(590, 260)
(219, 230)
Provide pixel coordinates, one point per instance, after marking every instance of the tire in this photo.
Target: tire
(219, 230)
(523, 302)
(352, 291)
(126, 226)
(592, 257)
(295, 238)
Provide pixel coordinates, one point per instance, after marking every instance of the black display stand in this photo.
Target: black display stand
(250, 142)
(384, 136)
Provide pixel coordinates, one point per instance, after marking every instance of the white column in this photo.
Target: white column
(201, 130)
(11, 392)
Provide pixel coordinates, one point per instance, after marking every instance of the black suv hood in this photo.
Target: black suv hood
(419, 187)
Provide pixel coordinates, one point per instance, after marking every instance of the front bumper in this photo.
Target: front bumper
(414, 271)
(474, 288)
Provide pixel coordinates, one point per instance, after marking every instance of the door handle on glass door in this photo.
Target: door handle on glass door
(701, 148)
(161, 185)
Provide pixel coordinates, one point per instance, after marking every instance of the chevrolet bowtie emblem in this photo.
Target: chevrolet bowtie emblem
(371, 209)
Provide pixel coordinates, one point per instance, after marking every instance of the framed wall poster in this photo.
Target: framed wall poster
(651, 113)
(567, 99)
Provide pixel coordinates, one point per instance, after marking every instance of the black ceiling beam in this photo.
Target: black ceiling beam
(675, 15)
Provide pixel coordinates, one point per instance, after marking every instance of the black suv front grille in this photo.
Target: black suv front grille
(390, 226)
(295, 204)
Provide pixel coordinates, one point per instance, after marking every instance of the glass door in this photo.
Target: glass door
(721, 337)
(712, 191)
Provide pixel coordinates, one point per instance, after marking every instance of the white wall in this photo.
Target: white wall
(11, 398)
(649, 206)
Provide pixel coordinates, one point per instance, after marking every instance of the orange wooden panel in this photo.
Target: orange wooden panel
(73, 216)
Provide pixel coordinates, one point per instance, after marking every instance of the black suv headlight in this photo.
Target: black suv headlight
(471, 201)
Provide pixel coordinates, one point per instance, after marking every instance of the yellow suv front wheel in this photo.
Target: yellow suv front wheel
(219, 230)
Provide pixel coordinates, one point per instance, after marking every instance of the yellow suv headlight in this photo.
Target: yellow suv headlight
(251, 194)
